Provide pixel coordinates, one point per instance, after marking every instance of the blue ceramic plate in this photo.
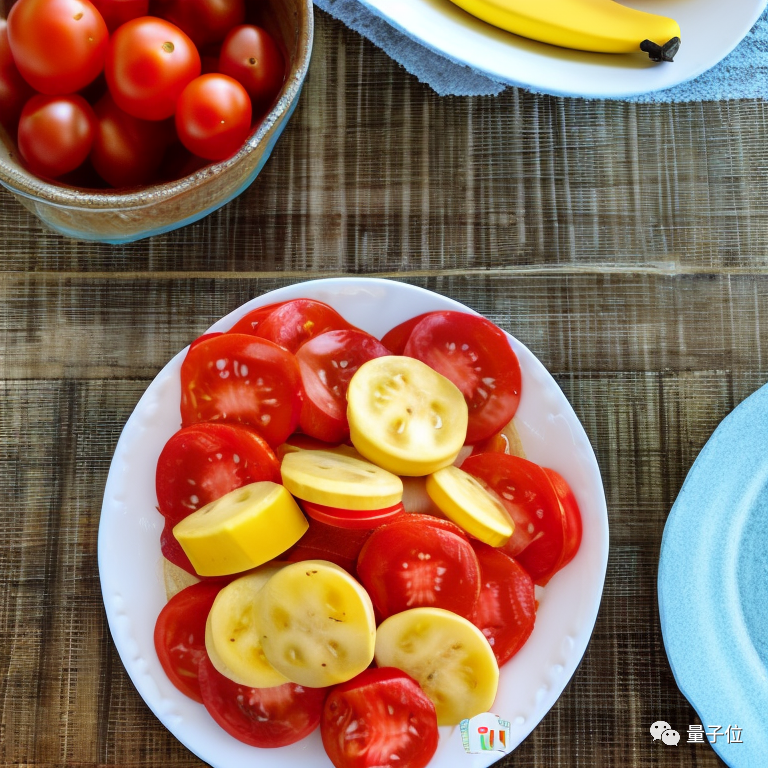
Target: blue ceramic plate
(713, 584)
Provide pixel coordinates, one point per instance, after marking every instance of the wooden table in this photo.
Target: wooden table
(626, 245)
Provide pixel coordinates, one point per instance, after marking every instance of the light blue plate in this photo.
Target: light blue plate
(713, 584)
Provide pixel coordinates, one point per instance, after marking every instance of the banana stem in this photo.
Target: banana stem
(664, 52)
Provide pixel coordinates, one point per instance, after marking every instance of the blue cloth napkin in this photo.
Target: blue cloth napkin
(743, 74)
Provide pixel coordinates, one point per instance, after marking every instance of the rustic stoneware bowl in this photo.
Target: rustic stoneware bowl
(116, 216)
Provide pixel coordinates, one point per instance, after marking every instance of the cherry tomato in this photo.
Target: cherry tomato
(351, 518)
(180, 636)
(15, 91)
(239, 378)
(381, 717)
(127, 151)
(203, 462)
(149, 63)
(261, 717)
(506, 609)
(571, 516)
(329, 542)
(297, 321)
(413, 563)
(213, 116)
(116, 12)
(204, 21)
(252, 57)
(476, 356)
(58, 45)
(55, 133)
(327, 363)
(396, 339)
(527, 494)
(251, 322)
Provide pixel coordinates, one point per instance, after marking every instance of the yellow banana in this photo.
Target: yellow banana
(587, 25)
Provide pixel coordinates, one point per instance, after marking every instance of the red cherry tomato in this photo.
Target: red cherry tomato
(242, 379)
(506, 609)
(527, 494)
(476, 356)
(116, 12)
(571, 516)
(396, 339)
(180, 636)
(56, 133)
(253, 58)
(351, 518)
(58, 45)
(297, 321)
(381, 717)
(203, 462)
(204, 21)
(213, 116)
(15, 91)
(327, 363)
(413, 563)
(261, 717)
(149, 63)
(251, 322)
(127, 152)
(329, 542)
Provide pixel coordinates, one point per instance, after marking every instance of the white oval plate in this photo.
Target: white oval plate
(710, 30)
(129, 543)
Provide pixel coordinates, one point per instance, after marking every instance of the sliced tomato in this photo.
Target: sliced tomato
(327, 363)
(242, 379)
(174, 552)
(506, 609)
(381, 717)
(251, 322)
(496, 443)
(297, 321)
(180, 636)
(527, 494)
(351, 518)
(415, 562)
(204, 337)
(260, 717)
(396, 339)
(203, 462)
(571, 516)
(476, 356)
(329, 542)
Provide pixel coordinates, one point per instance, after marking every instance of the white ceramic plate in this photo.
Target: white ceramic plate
(710, 29)
(129, 547)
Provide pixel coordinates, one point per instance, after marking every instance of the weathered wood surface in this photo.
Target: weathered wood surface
(627, 246)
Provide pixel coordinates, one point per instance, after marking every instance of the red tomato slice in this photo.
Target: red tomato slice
(571, 513)
(297, 321)
(203, 462)
(180, 636)
(261, 717)
(381, 717)
(240, 378)
(327, 363)
(329, 542)
(251, 322)
(506, 608)
(351, 518)
(476, 356)
(527, 493)
(396, 339)
(174, 552)
(413, 563)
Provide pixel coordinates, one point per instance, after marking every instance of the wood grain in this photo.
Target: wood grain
(625, 245)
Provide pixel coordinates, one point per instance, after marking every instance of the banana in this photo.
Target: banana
(586, 25)
(232, 632)
(317, 624)
(447, 655)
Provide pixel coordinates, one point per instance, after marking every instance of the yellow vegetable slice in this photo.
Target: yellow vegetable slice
(339, 480)
(241, 530)
(175, 579)
(447, 655)
(405, 417)
(463, 499)
(233, 632)
(317, 624)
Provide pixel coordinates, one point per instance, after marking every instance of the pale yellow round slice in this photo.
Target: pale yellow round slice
(339, 480)
(405, 417)
(462, 499)
(317, 624)
(447, 655)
